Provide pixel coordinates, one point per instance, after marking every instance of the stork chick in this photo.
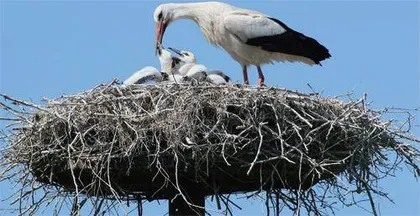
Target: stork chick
(170, 65)
(218, 77)
(187, 58)
(145, 75)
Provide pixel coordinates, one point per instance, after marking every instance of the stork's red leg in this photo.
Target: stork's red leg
(260, 76)
(245, 72)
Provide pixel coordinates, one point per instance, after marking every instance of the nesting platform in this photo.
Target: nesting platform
(157, 141)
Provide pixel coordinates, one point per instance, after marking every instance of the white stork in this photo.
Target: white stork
(250, 37)
(197, 72)
(144, 75)
(169, 69)
(187, 58)
(218, 77)
(201, 73)
(170, 65)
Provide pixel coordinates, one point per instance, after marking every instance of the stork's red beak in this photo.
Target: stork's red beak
(160, 31)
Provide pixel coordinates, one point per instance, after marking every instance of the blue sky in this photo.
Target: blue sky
(49, 48)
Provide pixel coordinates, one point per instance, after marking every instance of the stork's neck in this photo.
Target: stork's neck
(206, 14)
(184, 11)
(166, 67)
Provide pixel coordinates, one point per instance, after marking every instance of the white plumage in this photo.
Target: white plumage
(257, 25)
(176, 78)
(250, 37)
(170, 70)
(187, 58)
(196, 68)
(169, 67)
(167, 63)
(199, 72)
(144, 75)
(218, 77)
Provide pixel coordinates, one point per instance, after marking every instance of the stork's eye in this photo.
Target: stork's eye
(186, 54)
(160, 16)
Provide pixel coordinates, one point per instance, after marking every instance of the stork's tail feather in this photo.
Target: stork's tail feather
(311, 48)
(315, 51)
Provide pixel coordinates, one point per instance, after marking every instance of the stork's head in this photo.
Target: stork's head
(165, 14)
(162, 18)
(185, 56)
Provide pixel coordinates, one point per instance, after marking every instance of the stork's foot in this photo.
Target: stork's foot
(261, 82)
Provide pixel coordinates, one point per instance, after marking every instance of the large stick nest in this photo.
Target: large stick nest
(157, 141)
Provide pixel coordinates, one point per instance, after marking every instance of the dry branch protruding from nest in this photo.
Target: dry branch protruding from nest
(154, 142)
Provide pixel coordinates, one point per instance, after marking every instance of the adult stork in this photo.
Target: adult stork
(250, 37)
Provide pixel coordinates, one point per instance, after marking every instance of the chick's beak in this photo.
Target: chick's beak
(175, 51)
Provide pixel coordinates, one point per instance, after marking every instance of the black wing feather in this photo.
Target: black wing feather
(293, 43)
(145, 79)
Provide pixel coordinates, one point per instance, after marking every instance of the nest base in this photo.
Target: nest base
(187, 142)
(152, 184)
